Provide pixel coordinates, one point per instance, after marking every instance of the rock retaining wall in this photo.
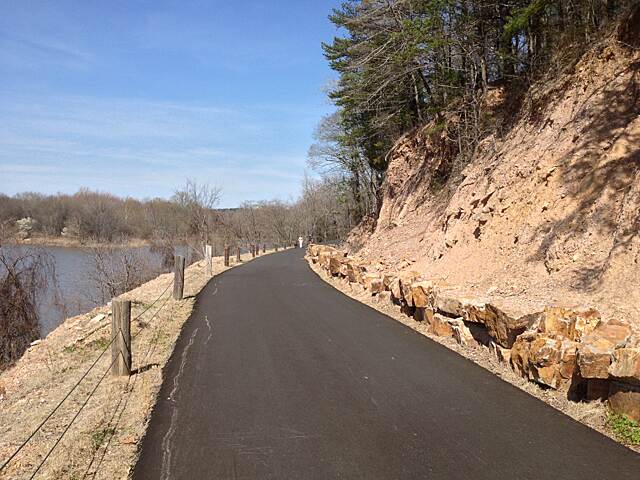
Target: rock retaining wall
(568, 350)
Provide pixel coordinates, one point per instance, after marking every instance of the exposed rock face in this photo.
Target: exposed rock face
(558, 347)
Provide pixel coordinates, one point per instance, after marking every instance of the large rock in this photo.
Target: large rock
(502, 327)
(596, 350)
(422, 294)
(343, 269)
(422, 314)
(616, 331)
(625, 364)
(595, 357)
(316, 250)
(324, 258)
(502, 354)
(335, 265)
(568, 323)
(387, 279)
(440, 326)
(546, 359)
(625, 398)
(447, 304)
(403, 287)
(353, 271)
(373, 282)
(396, 290)
(383, 297)
(461, 332)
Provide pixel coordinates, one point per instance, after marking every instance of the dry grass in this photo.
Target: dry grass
(103, 440)
(49, 241)
(593, 414)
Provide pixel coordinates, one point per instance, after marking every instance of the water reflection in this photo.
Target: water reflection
(83, 278)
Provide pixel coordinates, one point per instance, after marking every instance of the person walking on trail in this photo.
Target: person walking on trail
(300, 241)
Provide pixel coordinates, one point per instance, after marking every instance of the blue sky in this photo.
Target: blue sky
(133, 97)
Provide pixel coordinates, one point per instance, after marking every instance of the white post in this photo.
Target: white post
(208, 254)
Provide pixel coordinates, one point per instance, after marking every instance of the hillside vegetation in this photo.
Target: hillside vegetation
(404, 64)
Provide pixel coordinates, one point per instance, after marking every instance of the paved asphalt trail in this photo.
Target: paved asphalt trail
(276, 375)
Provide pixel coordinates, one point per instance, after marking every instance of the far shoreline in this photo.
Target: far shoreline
(48, 241)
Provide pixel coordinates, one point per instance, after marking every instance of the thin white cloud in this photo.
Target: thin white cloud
(20, 51)
(67, 142)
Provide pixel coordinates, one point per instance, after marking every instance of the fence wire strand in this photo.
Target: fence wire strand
(84, 375)
(84, 404)
(57, 407)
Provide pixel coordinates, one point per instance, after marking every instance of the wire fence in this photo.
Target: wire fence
(85, 374)
(93, 390)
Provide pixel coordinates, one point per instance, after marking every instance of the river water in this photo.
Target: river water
(73, 285)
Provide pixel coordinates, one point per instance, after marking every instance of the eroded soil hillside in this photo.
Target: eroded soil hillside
(547, 213)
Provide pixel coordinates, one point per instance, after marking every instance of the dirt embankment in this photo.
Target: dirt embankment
(102, 441)
(546, 214)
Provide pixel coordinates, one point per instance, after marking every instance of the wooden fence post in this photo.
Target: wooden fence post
(208, 258)
(238, 259)
(276, 247)
(226, 255)
(253, 251)
(264, 248)
(121, 337)
(178, 277)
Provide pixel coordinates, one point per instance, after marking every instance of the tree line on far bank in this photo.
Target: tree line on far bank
(191, 217)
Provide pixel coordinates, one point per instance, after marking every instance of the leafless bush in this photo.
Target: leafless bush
(23, 278)
(117, 270)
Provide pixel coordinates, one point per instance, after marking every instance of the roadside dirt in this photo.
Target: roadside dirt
(103, 441)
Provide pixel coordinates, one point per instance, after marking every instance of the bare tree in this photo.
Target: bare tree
(117, 270)
(197, 202)
(23, 278)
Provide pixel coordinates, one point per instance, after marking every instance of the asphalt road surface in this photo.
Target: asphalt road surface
(277, 375)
